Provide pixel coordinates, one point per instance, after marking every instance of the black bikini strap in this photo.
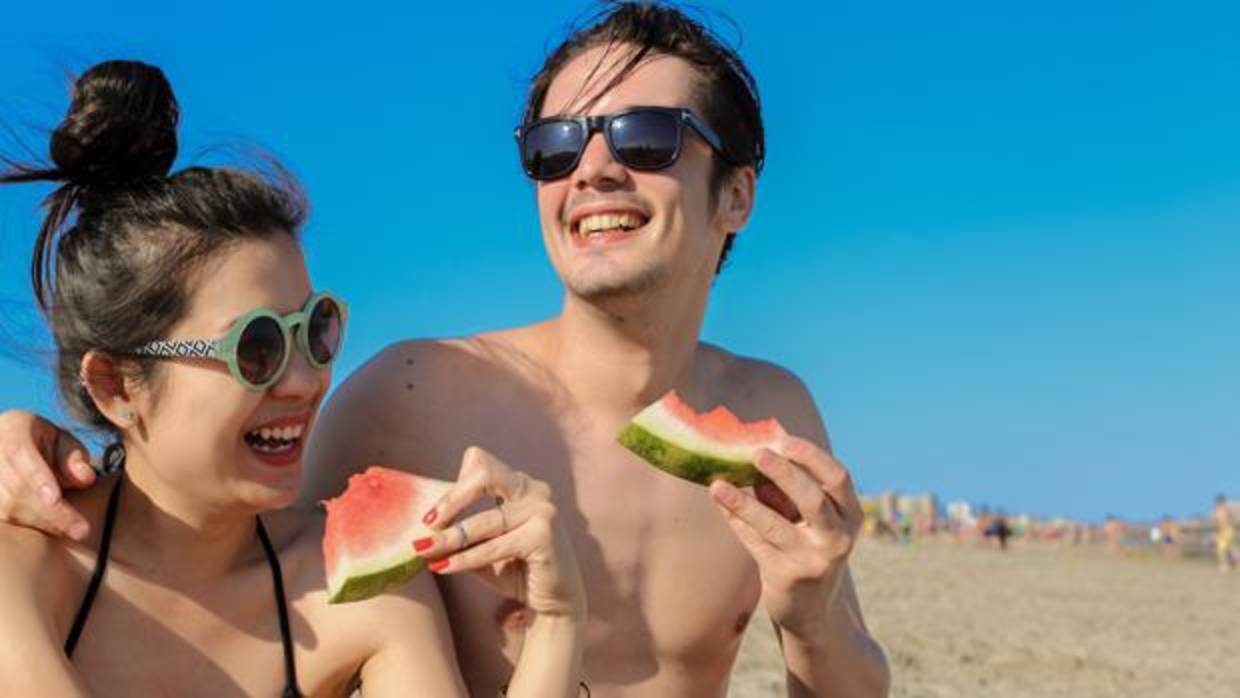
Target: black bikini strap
(101, 565)
(290, 668)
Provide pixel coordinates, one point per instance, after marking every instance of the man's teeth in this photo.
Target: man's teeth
(600, 222)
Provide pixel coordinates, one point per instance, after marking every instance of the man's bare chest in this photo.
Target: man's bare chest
(664, 575)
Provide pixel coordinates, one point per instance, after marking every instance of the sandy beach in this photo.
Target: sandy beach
(1037, 621)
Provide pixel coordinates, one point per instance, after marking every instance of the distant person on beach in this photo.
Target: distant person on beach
(999, 530)
(1225, 535)
(1170, 540)
(1113, 532)
(642, 138)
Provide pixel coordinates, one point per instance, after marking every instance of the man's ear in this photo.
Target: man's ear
(736, 199)
(105, 379)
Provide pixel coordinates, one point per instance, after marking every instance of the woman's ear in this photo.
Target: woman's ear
(105, 380)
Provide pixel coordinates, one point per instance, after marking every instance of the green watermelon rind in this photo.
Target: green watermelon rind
(358, 573)
(360, 587)
(683, 463)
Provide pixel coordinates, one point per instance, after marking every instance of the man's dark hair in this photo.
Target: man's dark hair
(726, 94)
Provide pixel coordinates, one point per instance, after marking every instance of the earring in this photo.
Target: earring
(125, 414)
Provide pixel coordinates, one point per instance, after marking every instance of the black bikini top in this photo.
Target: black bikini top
(101, 564)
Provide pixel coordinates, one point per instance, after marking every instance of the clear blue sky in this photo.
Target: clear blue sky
(999, 241)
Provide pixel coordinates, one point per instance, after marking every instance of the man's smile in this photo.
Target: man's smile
(602, 224)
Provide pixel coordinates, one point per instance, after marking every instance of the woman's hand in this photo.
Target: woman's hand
(517, 547)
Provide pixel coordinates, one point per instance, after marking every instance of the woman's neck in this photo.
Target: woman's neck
(175, 537)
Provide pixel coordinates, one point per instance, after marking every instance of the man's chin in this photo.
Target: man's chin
(602, 288)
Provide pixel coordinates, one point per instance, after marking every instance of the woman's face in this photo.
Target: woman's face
(197, 426)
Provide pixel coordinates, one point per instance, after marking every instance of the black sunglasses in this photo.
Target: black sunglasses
(642, 138)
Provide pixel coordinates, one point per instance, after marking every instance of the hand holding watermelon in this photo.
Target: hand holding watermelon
(518, 547)
(802, 564)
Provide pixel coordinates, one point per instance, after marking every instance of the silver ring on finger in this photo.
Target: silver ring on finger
(460, 528)
(503, 519)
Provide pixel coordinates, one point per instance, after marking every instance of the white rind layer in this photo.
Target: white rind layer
(661, 422)
(391, 557)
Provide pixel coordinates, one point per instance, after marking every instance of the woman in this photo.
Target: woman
(187, 329)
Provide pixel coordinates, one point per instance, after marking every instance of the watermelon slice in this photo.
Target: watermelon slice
(673, 437)
(368, 538)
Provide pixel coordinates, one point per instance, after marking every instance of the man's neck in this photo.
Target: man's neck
(617, 356)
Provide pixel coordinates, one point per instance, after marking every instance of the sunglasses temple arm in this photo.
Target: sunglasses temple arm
(181, 349)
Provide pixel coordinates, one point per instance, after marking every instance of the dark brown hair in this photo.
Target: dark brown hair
(726, 95)
(122, 238)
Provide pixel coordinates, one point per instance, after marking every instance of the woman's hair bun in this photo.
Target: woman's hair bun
(121, 126)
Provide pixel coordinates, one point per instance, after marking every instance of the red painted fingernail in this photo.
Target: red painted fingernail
(423, 544)
(439, 565)
(429, 518)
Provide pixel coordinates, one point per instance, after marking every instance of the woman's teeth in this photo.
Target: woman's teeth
(277, 440)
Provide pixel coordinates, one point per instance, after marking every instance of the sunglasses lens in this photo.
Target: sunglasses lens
(645, 140)
(325, 331)
(260, 350)
(550, 149)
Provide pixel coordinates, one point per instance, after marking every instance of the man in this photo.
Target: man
(1226, 535)
(638, 208)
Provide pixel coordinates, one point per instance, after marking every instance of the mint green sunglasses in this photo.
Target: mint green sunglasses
(258, 346)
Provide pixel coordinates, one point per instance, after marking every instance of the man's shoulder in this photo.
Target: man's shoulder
(752, 376)
(443, 362)
(756, 388)
(419, 358)
(412, 404)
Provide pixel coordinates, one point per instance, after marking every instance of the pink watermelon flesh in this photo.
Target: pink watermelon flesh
(370, 529)
(672, 436)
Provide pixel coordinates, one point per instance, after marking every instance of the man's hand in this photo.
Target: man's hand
(30, 488)
(802, 560)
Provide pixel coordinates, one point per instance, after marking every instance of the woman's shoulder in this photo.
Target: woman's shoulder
(26, 549)
(48, 569)
(47, 557)
(37, 567)
(411, 616)
(298, 537)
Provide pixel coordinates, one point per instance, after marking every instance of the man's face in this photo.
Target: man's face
(612, 231)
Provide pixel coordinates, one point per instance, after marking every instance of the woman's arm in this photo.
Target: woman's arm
(550, 661)
(32, 659)
(413, 654)
(520, 545)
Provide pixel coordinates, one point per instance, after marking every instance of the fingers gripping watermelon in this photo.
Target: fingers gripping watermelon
(370, 529)
(673, 437)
